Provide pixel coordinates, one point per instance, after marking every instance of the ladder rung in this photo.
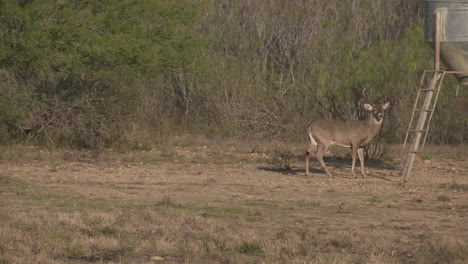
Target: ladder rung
(416, 130)
(427, 90)
(426, 110)
(412, 151)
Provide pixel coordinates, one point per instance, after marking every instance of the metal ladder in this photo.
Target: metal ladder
(423, 110)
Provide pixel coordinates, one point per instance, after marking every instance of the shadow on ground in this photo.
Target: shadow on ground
(342, 164)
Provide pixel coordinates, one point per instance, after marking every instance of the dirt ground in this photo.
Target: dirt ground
(434, 203)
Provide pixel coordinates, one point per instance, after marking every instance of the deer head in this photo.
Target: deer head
(377, 110)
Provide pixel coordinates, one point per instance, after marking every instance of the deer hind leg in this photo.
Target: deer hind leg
(322, 148)
(312, 148)
(361, 159)
(355, 151)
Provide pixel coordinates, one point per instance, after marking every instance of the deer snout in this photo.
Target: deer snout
(379, 116)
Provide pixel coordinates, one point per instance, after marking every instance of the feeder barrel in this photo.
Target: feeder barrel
(453, 35)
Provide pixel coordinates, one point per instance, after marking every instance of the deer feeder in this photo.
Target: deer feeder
(446, 30)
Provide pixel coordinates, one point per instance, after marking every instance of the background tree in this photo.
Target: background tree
(106, 73)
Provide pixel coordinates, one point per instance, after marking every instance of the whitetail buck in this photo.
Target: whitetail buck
(355, 135)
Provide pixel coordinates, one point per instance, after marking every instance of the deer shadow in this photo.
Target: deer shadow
(343, 164)
(293, 171)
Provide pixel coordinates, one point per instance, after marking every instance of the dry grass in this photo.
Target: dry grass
(191, 204)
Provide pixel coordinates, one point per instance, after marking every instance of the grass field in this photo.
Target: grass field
(219, 202)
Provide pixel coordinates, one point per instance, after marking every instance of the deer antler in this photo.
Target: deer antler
(384, 100)
(365, 97)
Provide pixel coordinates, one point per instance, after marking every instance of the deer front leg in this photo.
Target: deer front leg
(355, 150)
(321, 150)
(361, 159)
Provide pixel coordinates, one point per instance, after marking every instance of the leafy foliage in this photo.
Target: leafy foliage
(84, 62)
(94, 74)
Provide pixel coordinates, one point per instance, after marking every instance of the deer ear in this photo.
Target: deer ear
(386, 105)
(368, 107)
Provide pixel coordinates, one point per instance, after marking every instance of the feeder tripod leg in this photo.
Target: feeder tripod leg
(427, 100)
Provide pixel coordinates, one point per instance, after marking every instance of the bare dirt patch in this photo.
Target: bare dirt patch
(207, 204)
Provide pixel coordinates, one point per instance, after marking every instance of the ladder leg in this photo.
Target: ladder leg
(433, 106)
(414, 110)
(419, 127)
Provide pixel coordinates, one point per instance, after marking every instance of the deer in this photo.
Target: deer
(354, 134)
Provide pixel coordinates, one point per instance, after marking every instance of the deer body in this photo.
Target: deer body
(355, 135)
